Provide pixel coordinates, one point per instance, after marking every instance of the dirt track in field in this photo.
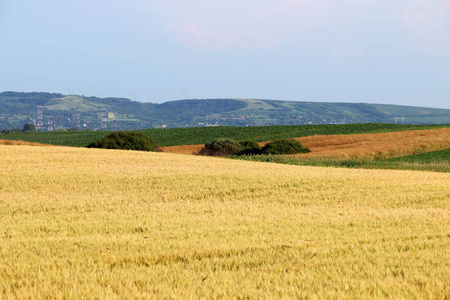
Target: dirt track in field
(387, 144)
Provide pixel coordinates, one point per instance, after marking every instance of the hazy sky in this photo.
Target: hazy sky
(375, 51)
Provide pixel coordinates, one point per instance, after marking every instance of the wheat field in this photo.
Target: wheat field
(377, 145)
(108, 224)
(373, 145)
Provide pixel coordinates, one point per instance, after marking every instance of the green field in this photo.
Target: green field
(428, 157)
(437, 161)
(433, 161)
(202, 135)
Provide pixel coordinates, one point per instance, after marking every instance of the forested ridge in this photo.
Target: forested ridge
(19, 108)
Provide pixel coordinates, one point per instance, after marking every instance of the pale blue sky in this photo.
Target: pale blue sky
(374, 51)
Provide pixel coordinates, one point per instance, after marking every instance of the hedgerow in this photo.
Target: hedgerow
(125, 140)
(284, 146)
(249, 147)
(221, 147)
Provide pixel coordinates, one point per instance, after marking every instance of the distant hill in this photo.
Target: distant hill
(68, 111)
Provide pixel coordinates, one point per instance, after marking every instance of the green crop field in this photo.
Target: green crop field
(428, 157)
(201, 135)
(436, 161)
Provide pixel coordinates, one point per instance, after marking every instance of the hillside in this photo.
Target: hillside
(71, 111)
(78, 223)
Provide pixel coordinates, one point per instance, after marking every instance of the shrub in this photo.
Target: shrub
(221, 147)
(284, 146)
(125, 140)
(29, 128)
(249, 147)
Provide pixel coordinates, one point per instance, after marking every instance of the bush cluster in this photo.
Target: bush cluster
(125, 140)
(284, 146)
(249, 147)
(221, 147)
(29, 128)
(224, 147)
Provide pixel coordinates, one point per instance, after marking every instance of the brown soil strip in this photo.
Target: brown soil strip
(22, 143)
(184, 149)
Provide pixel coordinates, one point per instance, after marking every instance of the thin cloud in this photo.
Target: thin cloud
(427, 25)
(446, 6)
(350, 51)
(294, 7)
(193, 35)
(246, 25)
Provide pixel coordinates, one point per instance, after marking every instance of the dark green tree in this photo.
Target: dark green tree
(125, 140)
(284, 146)
(221, 147)
(29, 128)
(249, 147)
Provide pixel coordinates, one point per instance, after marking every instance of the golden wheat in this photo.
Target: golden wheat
(377, 145)
(93, 223)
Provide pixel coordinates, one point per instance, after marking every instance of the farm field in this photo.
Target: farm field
(21, 143)
(377, 145)
(406, 150)
(201, 135)
(87, 223)
(374, 145)
(427, 157)
(434, 161)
